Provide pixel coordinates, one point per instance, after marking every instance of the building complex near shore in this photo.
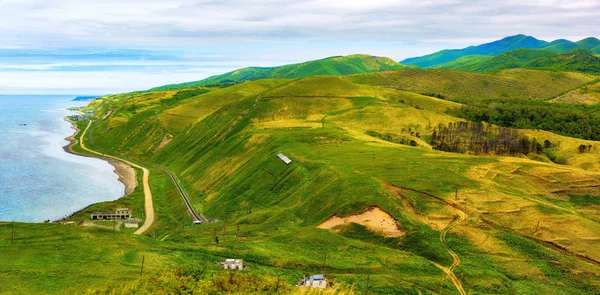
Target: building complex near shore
(120, 214)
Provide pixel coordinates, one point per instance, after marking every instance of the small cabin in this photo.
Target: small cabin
(313, 281)
(234, 264)
(284, 158)
(132, 222)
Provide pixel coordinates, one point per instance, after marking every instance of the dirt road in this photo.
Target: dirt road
(148, 205)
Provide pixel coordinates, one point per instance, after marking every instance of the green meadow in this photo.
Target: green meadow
(470, 224)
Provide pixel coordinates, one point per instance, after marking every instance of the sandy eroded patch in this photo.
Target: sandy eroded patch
(374, 219)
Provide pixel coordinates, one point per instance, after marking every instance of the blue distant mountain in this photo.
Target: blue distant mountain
(499, 47)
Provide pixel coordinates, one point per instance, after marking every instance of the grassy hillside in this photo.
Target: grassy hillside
(343, 135)
(464, 86)
(490, 49)
(577, 60)
(332, 66)
(580, 60)
(468, 224)
(507, 60)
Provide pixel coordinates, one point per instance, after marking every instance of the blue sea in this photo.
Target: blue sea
(38, 179)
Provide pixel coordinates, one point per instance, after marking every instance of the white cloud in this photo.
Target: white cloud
(260, 32)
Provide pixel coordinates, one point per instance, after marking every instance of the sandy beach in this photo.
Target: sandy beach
(126, 173)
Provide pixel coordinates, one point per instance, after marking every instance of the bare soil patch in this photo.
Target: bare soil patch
(374, 219)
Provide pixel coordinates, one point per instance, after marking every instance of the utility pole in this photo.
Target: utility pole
(368, 278)
(12, 235)
(324, 260)
(142, 270)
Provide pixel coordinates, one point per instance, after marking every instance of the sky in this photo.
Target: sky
(113, 46)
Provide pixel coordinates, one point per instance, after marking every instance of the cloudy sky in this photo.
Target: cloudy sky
(109, 46)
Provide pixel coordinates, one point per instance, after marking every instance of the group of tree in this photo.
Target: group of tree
(577, 121)
(481, 138)
(585, 148)
(395, 138)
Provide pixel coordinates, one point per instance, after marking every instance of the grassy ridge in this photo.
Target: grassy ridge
(332, 66)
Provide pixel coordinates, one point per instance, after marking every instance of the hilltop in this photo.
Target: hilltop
(331, 66)
(495, 48)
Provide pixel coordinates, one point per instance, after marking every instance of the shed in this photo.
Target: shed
(236, 264)
(284, 158)
(132, 222)
(317, 281)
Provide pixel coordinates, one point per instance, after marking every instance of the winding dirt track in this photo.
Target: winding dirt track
(148, 205)
(448, 270)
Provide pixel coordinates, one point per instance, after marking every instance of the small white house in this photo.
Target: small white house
(314, 281)
(132, 222)
(235, 264)
(284, 158)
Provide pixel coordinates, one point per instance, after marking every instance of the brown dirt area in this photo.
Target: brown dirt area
(374, 219)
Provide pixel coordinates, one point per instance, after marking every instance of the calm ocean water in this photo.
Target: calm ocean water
(38, 179)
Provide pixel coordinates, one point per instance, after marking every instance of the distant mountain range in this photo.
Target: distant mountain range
(479, 53)
(518, 51)
(331, 66)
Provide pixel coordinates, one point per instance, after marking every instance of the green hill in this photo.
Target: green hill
(332, 66)
(368, 198)
(562, 45)
(443, 59)
(577, 60)
(493, 48)
(589, 43)
(507, 60)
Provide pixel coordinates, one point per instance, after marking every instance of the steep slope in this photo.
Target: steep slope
(332, 66)
(493, 48)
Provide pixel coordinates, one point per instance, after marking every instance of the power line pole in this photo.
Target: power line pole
(12, 235)
(142, 270)
(324, 260)
(368, 278)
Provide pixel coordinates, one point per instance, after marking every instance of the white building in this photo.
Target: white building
(235, 264)
(314, 281)
(132, 222)
(284, 158)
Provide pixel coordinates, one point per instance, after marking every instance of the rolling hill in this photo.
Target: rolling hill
(332, 66)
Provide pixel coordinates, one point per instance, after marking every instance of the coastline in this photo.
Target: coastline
(127, 175)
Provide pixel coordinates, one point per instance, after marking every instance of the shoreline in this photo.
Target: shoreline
(127, 175)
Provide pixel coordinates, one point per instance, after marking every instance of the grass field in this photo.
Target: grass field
(470, 224)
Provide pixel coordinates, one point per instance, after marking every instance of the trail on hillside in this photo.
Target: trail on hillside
(148, 205)
(448, 270)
